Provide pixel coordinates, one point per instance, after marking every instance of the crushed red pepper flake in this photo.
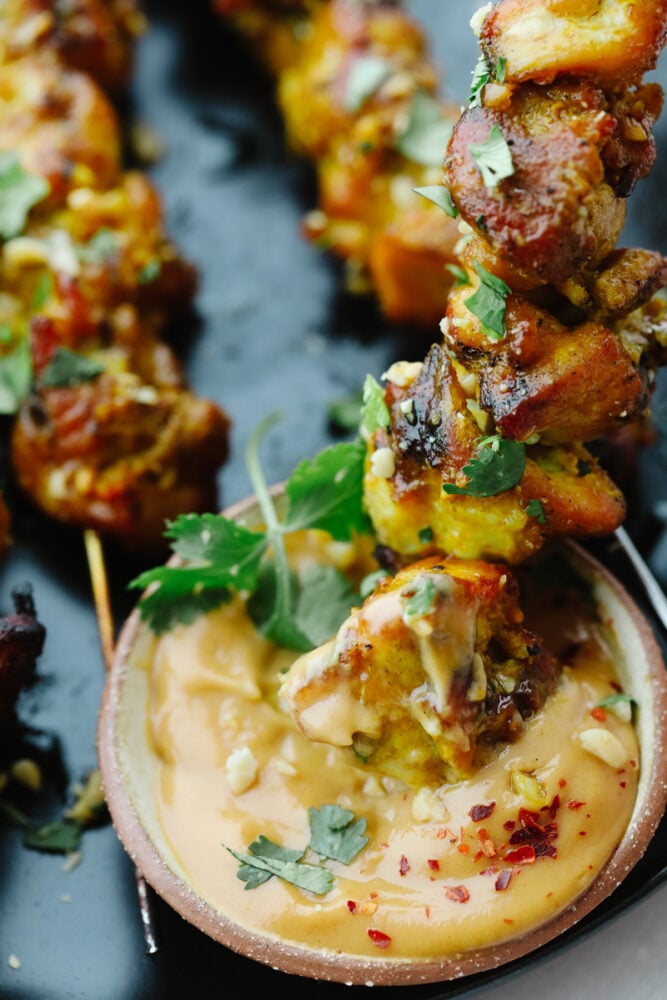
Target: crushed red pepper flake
(463, 849)
(379, 938)
(427, 912)
(582, 833)
(478, 856)
(599, 714)
(573, 804)
(509, 825)
(457, 893)
(562, 782)
(503, 880)
(522, 855)
(486, 843)
(481, 811)
(633, 763)
(404, 865)
(623, 784)
(352, 906)
(433, 864)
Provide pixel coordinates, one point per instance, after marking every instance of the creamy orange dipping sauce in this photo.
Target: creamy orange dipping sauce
(432, 881)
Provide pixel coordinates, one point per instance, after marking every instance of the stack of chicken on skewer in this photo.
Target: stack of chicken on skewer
(478, 455)
(107, 435)
(358, 94)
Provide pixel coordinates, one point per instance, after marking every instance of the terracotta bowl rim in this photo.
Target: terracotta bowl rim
(354, 970)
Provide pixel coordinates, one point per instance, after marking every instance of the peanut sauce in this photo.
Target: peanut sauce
(446, 870)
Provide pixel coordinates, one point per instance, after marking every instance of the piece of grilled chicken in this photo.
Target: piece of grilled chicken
(21, 642)
(583, 329)
(433, 670)
(352, 79)
(124, 445)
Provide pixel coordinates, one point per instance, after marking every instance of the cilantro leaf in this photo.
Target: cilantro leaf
(439, 195)
(211, 538)
(19, 192)
(67, 368)
(56, 838)
(425, 535)
(344, 414)
(100, 248)
(327, 492)
(480, 77)
(272, 608)
(367, 75)
(323, 603)
(616, 699)
(336, 833)
(370, 582)
(182, 594)
(488, 302)
(499, 466)
(493, 157)
(43, 290)
(421, 595)
(501, 69)
(266, 859)
(374, 412)
(425, 137)
(15, 377)
(535, 509)
(459, 273)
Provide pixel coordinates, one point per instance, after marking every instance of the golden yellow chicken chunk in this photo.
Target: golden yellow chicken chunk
(432, 671)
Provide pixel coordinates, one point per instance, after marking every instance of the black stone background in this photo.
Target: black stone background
(272, 330)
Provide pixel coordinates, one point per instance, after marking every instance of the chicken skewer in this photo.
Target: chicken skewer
(429, 692)
(358, 94)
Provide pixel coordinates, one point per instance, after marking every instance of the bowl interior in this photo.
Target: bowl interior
(130, 767)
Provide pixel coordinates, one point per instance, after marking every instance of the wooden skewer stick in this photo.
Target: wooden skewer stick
(100, 585)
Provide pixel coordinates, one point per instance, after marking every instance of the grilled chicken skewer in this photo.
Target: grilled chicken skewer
(566, 345)
(553, 339)
(358, 95)
(115, 441)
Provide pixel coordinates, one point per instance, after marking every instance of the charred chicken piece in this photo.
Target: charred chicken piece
(433, 671)
(432, 437)
(21, 641)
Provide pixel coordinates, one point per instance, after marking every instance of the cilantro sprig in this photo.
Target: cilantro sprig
(15, 376)
(19, 192)
(440, 196)
(499, 466)
(220, 556)
(427, 131)
(335, 833)
(493, 157)
(488, 302)
(374, 412)
(67, 368)
(367, 75)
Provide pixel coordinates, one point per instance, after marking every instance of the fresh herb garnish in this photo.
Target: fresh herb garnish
(501, 69)
(19, 192)
(335, 833)
(440, 196)
(370, 582)
(616, 699)
(427, 132)
(151, 271)
(60, 837)
(266, 859)
(43, 290)
(344, 414)
(421, 598)
(535, 509)
(480, 77)
(499, 466)
(67, 368)
(223, 556)
(459, 273)
(583, 468)
(99, 249)
(493, 157)
(15, 377)
(374, 412)
(367, 75)
(488, 302)
(425, 535)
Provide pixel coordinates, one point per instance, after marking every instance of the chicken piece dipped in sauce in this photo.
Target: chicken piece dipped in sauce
(433, 671)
